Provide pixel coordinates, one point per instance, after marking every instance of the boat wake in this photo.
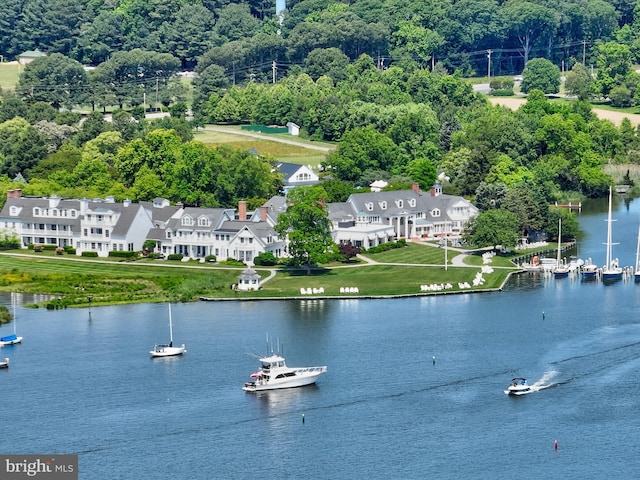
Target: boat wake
(547, 381)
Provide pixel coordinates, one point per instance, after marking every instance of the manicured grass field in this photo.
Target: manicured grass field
(9, 75)
(281, 151)
(73, 280)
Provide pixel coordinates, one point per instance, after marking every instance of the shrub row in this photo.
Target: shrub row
(388, 246)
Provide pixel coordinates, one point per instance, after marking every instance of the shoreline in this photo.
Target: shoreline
(366, 297)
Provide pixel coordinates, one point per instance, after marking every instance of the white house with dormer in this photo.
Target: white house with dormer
(87, 225)
(369, 219)
(296, 175)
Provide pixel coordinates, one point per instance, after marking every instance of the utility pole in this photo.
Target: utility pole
(156, 92)
(489, 52)
(584, 53)
(274, 68)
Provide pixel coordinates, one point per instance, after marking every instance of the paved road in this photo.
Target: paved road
(268, 137)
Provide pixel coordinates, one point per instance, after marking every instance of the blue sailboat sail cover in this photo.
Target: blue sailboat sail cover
(9, 338)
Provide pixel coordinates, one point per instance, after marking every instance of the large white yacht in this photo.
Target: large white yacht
(275, 374)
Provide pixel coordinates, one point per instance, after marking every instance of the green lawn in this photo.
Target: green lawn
(73, 280)
(9, 75)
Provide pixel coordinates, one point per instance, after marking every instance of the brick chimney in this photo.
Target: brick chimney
(263, 214)
(15, 193)
(242, 210)
(415, 186)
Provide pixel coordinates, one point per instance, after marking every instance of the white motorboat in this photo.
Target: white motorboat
(275, 374)
(589, 270)
(611, 271)
(519, 386)
(13, 338)
(4, 363)
(167, 349)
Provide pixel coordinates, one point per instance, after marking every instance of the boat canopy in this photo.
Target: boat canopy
(9, 338)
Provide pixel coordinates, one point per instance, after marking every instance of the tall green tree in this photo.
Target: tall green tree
(55, 79)
(529, 23)
(614, 64)
(540, 74)
(492, 228)
(307, 227)
(578, 82)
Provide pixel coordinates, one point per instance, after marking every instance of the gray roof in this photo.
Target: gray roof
(275, 206)
(161, 214)
(125, 221)
(215, 215)
(341, 211)
(27, 204)
(288, 169)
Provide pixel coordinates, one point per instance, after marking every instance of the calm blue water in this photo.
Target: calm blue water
(82, 382)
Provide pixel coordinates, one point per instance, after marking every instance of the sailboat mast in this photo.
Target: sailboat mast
(608, 264)
(559, 239)
(170, 325)
(638, 250)
(13, 304)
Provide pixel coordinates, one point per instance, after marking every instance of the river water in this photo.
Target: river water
(414, 387)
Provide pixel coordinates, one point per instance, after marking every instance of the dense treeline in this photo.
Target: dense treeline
(373, 76)
(245, 37)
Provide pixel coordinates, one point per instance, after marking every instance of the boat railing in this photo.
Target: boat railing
(311, 369)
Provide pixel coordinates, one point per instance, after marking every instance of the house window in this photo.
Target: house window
(36, 211)
(435, 212)
(383, 205)
(369, 206)
(106, 233)
(399, 203)
(13, 211)
(203, 222)
(168, 233)
(187, 221)
(54, 212)
(412, 202)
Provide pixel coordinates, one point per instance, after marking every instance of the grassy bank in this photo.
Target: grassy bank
(70, 281)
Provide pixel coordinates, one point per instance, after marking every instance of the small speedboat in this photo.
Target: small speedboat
(4, 363)
(519, 386)
(274, 374)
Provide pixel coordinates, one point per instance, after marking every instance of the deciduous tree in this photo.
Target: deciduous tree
(306, 225)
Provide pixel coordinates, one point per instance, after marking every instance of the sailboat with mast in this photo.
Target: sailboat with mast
(636, 271)
(561, 270)
(13, 338)
(167, 349)
(611, 271)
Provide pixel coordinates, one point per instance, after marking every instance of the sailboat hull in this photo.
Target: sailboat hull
(167, 351)
(10, 340)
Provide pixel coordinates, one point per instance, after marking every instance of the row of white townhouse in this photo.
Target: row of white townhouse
(101, 226)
